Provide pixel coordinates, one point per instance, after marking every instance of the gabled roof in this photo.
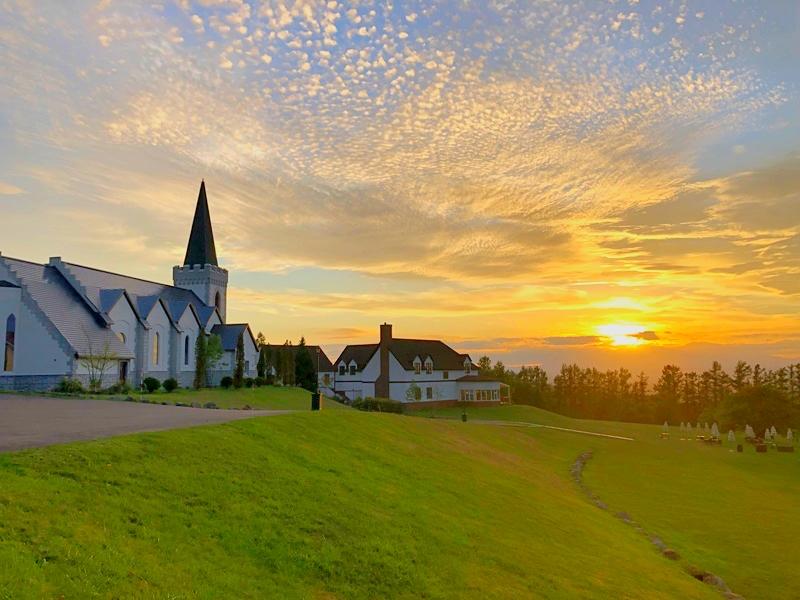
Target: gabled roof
(443, 356)
(325, 365)
(360, 353)
(230, 334)
(65, 309)
(8, 284)
(201, 249)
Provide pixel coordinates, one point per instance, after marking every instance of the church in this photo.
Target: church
(59, 319)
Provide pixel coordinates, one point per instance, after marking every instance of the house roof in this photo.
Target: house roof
(360, 353)
(201, 249)
(405, 351)
(8, 284)
(230, 334)
(325, 365)
(443, 356)
(77, 324)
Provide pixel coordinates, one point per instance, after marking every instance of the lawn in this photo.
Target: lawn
(267, 397)
(736, 515)
(337, 504)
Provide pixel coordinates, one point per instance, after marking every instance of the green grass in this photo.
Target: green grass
(270, 397)
(337, 504)
(736, 515)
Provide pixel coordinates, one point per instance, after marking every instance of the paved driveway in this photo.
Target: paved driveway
(27, 422)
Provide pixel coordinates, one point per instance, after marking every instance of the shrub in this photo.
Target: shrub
(378, 405)
(226, 382)
(209, 405)
(118, 388)
(260, 381)
(151, 384)
(170, 384)
(249, 382)
(69, 386)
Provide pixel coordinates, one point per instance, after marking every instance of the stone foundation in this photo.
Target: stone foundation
(29, 383)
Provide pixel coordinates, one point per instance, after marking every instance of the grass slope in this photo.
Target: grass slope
(338, 504)
(736, 515)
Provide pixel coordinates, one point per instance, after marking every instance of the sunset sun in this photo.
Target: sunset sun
(623, 334)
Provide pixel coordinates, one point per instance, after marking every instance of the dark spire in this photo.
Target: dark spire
(201, 250)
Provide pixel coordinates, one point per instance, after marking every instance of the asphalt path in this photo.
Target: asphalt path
(30, 422)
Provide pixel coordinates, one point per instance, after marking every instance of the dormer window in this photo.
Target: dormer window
(352, 368)
(342, 369)
(417, 366)
(468, 366)
(428, 366)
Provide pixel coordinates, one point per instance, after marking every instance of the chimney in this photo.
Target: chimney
(382, 383)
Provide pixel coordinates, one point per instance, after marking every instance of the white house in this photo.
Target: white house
(54, 316)
(418, 372)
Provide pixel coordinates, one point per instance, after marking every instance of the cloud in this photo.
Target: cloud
(645, 335)
(8, 189)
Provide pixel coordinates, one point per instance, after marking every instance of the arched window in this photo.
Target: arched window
(186, 351)
(217, 301)
(156, 349)
(11, 332)
(121, 337)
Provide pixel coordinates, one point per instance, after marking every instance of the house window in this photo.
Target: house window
(11, 333)
(156, 351)
(446, 375)
(495, 394)
(352, 369)
(429, 393)
(326, 379)
(417, 368)
(342, 369)
(186, 351)
(429, 367)
(417, 393)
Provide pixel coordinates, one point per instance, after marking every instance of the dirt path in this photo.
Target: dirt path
(29, 422)
(526, 424)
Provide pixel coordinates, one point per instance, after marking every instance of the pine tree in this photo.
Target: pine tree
(261, 367)
(238, 372)
(305, 372)
(200, 357)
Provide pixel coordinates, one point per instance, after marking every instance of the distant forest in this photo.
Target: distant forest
(749, 395)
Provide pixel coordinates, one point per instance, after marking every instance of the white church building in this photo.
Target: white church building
(419, 373)
(54, 316)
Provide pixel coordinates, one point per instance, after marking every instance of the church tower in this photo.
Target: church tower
(200, 271)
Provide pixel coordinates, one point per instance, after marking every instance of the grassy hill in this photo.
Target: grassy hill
(736, 515)
(338, 504)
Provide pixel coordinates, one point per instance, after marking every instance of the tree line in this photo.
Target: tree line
(286, 364)
(750, 394)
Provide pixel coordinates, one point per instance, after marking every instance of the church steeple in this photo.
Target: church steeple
(201, 249)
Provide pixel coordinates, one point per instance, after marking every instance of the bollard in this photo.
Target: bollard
(316, 403)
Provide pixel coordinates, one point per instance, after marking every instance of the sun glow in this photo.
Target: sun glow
(622, 335)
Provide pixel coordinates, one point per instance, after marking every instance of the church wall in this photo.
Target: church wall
(126, 323)
(40, 361)
(159, 324)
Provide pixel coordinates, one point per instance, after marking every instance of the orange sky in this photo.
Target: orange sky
(608, 183)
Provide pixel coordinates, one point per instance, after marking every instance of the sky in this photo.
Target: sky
(613, 183)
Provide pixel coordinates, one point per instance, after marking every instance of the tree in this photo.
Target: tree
(667, 389)
(759, 406)
(200, 361)
(238, 371)
(304, 369)
(261, 367)
(214, 352)
(484, 364)
(413, 393)
(261, 341)
(97, 362)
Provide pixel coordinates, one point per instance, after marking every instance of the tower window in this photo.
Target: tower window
(156, 351)
(186, 351)
(217, 301)
(11, 332)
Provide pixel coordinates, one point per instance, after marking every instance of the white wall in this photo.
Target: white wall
(36, 352)
(188, 326)
(159, 323)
